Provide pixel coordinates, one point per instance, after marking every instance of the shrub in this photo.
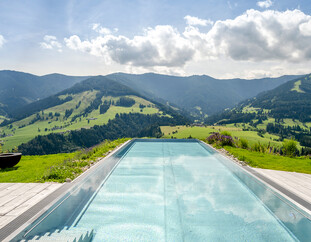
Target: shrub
(221, 140)
(226, 133)
(213, 138)
(226, 140)
(243, 143)
(289, 147)
(258, 147)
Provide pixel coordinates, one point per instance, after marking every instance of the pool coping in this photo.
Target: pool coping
(13, 228)
(290, 196)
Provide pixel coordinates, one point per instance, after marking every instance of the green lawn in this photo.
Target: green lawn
(55, 168)
(270, 161)
(32, 168)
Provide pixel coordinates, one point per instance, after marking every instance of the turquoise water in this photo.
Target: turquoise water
(177, 192)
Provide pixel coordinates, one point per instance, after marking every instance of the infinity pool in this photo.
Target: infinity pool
(184, 191)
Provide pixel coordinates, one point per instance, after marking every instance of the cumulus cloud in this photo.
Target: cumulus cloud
(50, 42)
(159, 46)
(268, 35)
(265, 4)
(197, 21)
(2, 40)
(305, 28)
(253, 36)
(100, 29)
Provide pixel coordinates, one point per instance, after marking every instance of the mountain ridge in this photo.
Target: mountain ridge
(18, 89)
(198, 95)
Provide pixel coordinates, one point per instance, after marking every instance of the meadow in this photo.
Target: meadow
(183, 132)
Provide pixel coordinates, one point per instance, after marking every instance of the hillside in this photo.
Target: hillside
(199, 95)
(290, 100)
(285, 111)
(18, 88)
(91, 102)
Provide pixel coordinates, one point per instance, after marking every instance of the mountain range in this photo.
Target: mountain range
(18, 89)
(31, 108)
(199, 96)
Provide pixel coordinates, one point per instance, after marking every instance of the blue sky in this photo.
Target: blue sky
(220, 38)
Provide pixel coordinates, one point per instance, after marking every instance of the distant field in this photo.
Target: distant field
(297, 87)
(29, 131)
(204, 132)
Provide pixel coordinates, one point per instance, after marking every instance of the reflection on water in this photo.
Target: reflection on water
(175, 192)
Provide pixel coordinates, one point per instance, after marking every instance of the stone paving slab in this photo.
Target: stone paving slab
(16, 198)
(297, 183)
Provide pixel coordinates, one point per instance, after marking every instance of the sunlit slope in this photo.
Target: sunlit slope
(81, 107)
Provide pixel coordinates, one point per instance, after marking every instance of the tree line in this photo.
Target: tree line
(124, 125)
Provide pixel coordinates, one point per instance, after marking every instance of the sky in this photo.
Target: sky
(219, 38)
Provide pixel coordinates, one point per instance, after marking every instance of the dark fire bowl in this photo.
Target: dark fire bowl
(8, 160)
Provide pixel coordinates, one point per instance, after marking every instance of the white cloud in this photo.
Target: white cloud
(50, 42)
(159, 46)
(265, 4)
(2, 40)
(100, 29)
(305, 28)
(197, 21)
(253, 36)
(260, 36)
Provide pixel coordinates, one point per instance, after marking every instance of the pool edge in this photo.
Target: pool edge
(297, 201)
(16, 226)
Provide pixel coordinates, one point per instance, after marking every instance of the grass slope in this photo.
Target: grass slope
(22, 131)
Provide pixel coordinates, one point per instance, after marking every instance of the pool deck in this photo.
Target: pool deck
(16, 198)
(297, 183)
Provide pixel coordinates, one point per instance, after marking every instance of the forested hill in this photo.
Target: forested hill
(199, 95)
(291, 100)
(103, 85)
(97, 101)
(18, 88)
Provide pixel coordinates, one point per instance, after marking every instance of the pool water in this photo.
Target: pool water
(177, 191)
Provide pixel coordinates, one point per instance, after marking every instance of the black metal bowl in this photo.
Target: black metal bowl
(8, 160)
